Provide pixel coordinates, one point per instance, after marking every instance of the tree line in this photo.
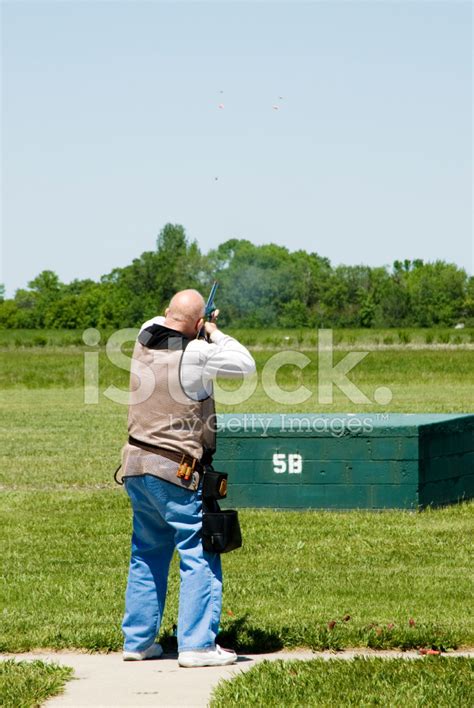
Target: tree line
(259, 286)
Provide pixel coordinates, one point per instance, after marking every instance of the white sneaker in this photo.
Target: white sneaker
(153, 652)
(214, 656)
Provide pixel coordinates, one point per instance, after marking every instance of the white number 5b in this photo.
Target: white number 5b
(293, 463)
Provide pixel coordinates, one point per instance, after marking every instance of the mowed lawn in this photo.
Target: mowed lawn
(30, 683)
(361, 682)
(318, 579)
(420, 380)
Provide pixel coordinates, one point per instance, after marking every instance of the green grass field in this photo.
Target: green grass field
(270, 338)
(420, 380)
(361, 682)
(399, 579)
(65, 557)
(27, 684)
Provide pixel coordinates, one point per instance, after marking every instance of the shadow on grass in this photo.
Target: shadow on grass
(238, 634)
(241, 635)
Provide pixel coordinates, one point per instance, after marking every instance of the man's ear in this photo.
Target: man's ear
(166, 311)
(199, 324)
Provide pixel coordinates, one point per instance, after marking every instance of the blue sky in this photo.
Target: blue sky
(111, 128)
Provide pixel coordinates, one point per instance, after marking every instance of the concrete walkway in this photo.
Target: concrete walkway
(105, 680)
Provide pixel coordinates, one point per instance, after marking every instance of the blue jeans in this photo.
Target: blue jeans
(166, 516)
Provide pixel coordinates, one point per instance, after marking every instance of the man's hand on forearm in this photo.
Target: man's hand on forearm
(209, 328)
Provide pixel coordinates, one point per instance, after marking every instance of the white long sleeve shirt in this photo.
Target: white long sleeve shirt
(203, 361)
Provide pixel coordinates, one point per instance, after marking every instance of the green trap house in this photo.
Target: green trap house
(346, 461)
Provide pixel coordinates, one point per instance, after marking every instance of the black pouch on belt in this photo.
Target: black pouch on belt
(220, 530)
(220, 527)
(214, 485)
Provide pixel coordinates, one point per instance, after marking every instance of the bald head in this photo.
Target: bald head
(185, 312)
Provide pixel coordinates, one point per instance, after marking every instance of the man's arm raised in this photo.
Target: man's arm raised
(225, 356)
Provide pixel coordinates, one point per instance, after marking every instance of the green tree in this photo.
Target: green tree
(179, 264)
(293, 314)
(346, 288)
(27, 316)
(394, 306)
(265, 285)
(468, 306)
(437, 293)
(256, 282)
(46, 289)
(8, 314)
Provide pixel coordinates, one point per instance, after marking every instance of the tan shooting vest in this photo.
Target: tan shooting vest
(160, 413)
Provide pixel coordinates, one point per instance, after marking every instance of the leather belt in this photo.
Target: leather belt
(174, 455)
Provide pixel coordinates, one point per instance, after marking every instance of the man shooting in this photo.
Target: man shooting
(171, 428)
